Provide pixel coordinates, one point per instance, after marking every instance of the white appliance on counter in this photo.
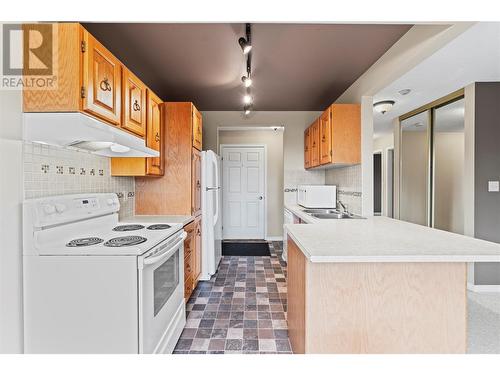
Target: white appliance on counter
(211, 208)
(317, 196)
(92, 285)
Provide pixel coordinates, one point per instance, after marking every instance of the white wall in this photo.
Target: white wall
(294, 122)
(274, 191)
(11, 190)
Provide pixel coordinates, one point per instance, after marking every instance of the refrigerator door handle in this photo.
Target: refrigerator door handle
(216, 169)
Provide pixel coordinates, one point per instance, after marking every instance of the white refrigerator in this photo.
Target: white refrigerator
(211, 220)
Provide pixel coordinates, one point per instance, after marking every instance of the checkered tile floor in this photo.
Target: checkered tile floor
(242, 309)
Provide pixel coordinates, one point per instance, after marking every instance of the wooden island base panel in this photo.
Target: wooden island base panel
(371, 307)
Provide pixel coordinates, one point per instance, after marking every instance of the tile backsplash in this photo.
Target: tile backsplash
(348, 181)
(50, 170)
(295, 177)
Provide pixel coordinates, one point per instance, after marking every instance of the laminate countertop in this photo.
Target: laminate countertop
(159, 219)
(382, 239)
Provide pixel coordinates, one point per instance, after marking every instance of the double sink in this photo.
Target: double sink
(323, 213)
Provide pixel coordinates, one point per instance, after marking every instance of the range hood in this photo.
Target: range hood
(78, 130)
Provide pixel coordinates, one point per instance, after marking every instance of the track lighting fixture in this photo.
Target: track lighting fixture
(247, 81)
(247, 99)
(245, 45)
(247, 109)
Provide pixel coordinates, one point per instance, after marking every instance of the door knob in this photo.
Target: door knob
(261, 197)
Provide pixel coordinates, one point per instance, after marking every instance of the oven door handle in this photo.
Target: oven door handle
(158, 258)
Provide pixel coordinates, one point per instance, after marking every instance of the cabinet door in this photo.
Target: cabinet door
(307, 148)
(325, 137)
(315, 144)
(197, 251)
(101, 81)
(134, 104)
(189, 245)
(196, 182)
(154, 135)
(197, 129)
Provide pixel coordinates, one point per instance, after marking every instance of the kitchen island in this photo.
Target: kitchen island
(379, 285)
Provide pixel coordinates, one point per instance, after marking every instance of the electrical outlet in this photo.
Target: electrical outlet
(493, 186)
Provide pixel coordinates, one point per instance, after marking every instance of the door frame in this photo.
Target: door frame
(388, 180)
(264, 148)
(382, 181)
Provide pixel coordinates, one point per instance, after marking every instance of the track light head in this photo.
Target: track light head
(245, 45)
(247, 109)
(247, 81)
(247, 98)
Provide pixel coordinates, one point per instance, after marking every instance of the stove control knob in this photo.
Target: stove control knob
(60, 207)
(49, 209)
(110, 202)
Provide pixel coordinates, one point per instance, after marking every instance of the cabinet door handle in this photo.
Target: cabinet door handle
(136, 106)
(157, 137)
(105, 85)
(198, 184)
(198, 232)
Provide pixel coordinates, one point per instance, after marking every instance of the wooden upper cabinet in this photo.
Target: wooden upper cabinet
(143, 166)
(197, 129)
(134, 104)
(307, 148)
(196, 182)
(346, 133)
(154, 134)
(315, 144)
(334, 139)
(325, 138)
(101, 81)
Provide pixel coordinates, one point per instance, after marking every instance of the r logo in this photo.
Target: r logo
(37, 49)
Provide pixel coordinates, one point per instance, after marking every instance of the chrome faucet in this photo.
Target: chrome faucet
(344, 208)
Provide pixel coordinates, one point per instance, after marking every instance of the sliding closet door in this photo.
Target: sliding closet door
(414, 198)
(448, 167)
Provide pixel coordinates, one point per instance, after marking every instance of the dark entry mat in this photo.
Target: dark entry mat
(255, 249)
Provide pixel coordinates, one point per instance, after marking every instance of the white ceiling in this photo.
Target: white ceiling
(473, 56)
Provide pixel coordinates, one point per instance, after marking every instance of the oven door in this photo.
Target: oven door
(161, 295)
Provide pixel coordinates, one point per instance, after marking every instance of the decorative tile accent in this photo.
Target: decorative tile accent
(242, 309)
(348, 181)
(50, 170)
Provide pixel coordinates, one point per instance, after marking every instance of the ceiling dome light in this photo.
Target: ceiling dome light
(383, 106)
(404, 91)
(247, 81)
(247, 109)
(245, 45)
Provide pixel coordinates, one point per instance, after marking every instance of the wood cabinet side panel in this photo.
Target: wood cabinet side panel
(386, 308)
(315, 144)
(66, 97)
(325, 138)
(170, 194)
(346, 133)
(296, 291)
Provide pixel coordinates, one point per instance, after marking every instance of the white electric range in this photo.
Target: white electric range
(95, 285)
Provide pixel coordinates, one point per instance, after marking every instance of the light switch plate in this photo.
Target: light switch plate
(493, 186)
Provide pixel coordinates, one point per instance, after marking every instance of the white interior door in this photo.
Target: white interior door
(243, 192)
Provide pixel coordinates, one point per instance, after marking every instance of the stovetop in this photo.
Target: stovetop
(117, 239)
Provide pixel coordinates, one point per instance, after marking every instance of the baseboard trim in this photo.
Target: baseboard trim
(274, 238)
(483, 288)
